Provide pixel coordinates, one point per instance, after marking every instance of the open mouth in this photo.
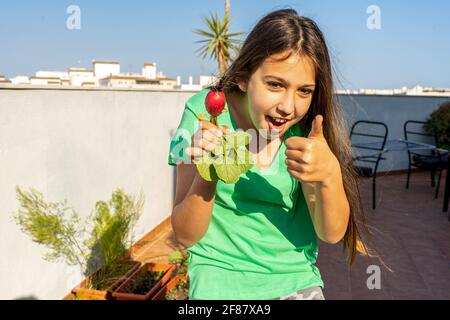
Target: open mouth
(275, 123)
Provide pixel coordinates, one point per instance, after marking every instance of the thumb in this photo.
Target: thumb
(317, 127)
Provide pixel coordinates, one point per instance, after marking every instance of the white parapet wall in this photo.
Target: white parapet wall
(79, 145)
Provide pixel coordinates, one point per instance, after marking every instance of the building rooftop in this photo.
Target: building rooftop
(80, 70)
(105, 62)
(46, 78)
(135, 77)
(125, 77)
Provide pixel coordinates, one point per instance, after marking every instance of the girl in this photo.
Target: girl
(257, 239)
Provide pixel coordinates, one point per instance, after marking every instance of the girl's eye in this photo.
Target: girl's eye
(306, 91)
(274, 85)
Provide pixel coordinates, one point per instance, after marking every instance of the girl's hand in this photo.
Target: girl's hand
(310, 159)
(207, 137)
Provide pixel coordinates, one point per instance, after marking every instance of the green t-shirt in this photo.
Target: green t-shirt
(260, 243)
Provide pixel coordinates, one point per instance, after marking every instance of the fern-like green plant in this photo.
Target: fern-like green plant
(111, 235)
(51, 225)
(60, 229)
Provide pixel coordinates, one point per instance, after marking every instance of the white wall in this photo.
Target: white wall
(79, 145)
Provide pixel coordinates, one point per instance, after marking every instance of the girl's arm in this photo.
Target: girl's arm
(194, 199)
(311, 161)
(328, 206)
(194, 202)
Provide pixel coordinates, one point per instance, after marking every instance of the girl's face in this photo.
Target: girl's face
(279, 93)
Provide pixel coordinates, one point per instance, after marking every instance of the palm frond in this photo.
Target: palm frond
(219, 42)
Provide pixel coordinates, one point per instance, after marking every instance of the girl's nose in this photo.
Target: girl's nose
(287, 105)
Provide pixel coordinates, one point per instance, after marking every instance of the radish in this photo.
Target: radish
(229, 159)
(215, 103)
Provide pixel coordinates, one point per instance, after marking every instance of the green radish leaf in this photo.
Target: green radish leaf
(245, 160)
(237, 139)
(227, 161)
(206, 169)
(230, 168)
(228, 171)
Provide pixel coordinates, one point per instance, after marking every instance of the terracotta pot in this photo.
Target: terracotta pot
(169, 286)
(83, 293)
(121, 292)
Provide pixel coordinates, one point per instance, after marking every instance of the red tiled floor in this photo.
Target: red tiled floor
(411, 233)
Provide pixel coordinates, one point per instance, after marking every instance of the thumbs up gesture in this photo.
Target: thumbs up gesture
(310, 159)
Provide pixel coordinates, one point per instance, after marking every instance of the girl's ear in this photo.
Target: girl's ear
(242, 85)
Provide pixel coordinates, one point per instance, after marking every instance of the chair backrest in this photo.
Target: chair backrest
(408, 132)
(365, 128)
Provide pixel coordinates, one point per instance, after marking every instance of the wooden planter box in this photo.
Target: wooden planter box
(121, 292)
(170, 285)
(83, 293)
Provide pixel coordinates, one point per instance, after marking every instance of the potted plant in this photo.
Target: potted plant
(438, 123)
(101, 284)
(176, 289)
(180, 259)
(144, 282)
(100, 253)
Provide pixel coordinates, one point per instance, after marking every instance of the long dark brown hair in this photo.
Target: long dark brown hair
(285, 31)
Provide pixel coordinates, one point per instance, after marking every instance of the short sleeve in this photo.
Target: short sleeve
(181, 139)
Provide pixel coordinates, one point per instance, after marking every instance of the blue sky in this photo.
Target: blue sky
(411, 48)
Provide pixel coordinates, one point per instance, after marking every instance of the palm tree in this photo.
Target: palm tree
(227, 8)
(219, 42)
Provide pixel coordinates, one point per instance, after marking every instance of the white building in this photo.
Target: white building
(415, 91)
(20, 80)
(52, 74)
(107, 74)
(103, 69)
(45, 78)
(45, 81)
(166, 82)
(80, 72)
(206, 81)
(4, 80)
(201, 83)
(82, 77)
(149, 70)
(137, 81)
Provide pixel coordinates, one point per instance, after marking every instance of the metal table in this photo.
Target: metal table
(408, 145)
(401, 145)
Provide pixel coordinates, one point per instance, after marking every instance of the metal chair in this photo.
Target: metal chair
(431, 160)
(362, 128)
